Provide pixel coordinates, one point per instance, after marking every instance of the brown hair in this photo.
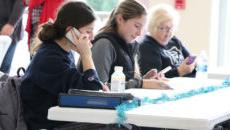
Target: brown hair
(128, 9)
(76, 14)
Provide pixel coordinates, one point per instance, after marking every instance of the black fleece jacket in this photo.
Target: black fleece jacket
(153, 55)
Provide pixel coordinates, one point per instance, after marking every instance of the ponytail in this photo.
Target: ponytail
(110, 24)
(75, 14)
(50, 32)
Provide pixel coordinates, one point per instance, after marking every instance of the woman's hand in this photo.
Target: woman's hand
(155, 84)
(82, 45)
(186, 68)
(105, 87)
(163, 85)
(152, 74)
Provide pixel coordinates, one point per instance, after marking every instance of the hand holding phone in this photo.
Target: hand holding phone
(80, 42)
(165, 70)
(73, 32)
(191, 59)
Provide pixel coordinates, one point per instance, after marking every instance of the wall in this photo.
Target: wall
(194, 27)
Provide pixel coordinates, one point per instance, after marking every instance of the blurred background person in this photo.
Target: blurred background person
(160, 48)
(39, 12)
(11, 25)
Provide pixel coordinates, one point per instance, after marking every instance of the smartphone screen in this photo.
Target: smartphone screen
(191, 59)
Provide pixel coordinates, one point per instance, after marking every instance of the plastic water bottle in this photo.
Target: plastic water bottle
(118, 80)
(202, 66)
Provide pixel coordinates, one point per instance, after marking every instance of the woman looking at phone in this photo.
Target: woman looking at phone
(52, 70)
(160, 48)
(115, 45)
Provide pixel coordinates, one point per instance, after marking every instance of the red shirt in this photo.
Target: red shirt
(49, 11)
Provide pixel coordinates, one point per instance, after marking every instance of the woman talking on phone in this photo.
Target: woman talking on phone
(52, 70)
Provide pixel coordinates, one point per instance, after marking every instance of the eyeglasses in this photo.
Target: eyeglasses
(165, 29)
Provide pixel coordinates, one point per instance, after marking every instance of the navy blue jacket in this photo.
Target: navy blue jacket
(51, 71)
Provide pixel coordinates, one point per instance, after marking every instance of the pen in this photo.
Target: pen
(165, 70)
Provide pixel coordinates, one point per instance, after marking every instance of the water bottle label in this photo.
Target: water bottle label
(201, 73)
(118, 86)
(202, 68)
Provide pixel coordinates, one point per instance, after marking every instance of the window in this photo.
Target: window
(102, 5)
(224, 31)
(220, 46)
(220, 40)
(102, 8)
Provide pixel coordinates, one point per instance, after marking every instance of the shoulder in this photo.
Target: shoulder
(51, 52)
(175, 40)
(51, 47)
(148, 44)
(103, 44)
(147, 41)
(103, 48)
(112, 38)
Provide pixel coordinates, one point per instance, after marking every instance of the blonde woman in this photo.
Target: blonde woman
(160, 48)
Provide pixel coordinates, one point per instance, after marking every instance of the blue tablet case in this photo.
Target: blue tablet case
(93, 99)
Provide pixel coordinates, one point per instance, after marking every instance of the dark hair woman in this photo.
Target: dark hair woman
(52, 69)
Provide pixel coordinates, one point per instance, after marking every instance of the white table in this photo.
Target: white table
(200, 112)
(219, 73)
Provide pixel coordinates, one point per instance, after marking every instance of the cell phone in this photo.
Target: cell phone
(70, 33)
(191, 59)
(165, 70)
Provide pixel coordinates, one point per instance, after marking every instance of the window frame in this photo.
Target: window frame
(219, 39)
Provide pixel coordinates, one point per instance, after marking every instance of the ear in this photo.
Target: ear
(119, 19)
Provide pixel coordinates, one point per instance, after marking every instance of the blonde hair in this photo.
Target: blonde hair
(159, 14)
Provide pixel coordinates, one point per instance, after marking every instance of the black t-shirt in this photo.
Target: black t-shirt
(153, 55)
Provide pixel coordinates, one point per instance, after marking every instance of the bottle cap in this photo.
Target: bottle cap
(118, 68)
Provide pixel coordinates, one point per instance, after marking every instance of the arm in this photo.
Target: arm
(184, 68)
(103, 56)
(83, 47)
(55, 72)
(155, 84)
(172, 56)
(14, 17)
